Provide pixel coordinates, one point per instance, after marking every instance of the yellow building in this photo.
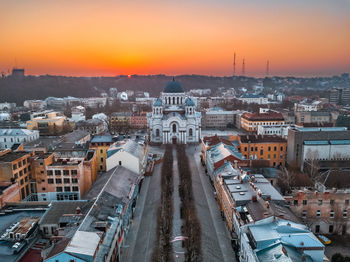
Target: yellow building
(15, 167)
(251, 121)
(258, 147)
(47, 123)
(101, 144)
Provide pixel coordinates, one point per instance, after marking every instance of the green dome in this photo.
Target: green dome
(173, 87)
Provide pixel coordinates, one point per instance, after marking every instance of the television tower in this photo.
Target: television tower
(234, 63)
(267, 68)
(243, 67)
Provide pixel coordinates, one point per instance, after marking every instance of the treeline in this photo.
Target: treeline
(191, 226)
(163, 251)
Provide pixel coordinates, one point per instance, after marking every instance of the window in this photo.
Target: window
(74, 172)
(19, 164)
(24, 162)
(16, 176)
(274, 156)
(21, 182)
(26, 179)
(331, 201)
(101, 167)
(269, 148)
(101, 151)
(331, 228)
(49, 172)
(295, 202)
(101, 159)
(245, 149)
(59, 189)
(345, 213)
(50, 181)
(66, 172)
(261, 152)
(67, 189)
(281, 148)
(58, 181)
(304, 202)
(275, 148)
(317, 229)
(21, 173)
(157, 132)
(75, 188)
(66, 181)
(190, 132)
(75, 180)
(268, 156)
(174, 128)
(331, 214)
(57, 172)
(304, 214)
(320, 202)
(120, 163)
(347, 201)
(318, 213)
(25, 171)
(14, 167)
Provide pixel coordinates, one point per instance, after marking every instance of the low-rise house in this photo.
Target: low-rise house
(78, 114)
(128, 154)
(9, 137)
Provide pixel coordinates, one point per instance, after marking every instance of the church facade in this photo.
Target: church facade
(174, 119)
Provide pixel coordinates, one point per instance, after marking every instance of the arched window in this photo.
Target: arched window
(157, 132)
(174, 128)
(190, 132)
(173, 100)
(177, 100)
(169, 100)
(157, 110)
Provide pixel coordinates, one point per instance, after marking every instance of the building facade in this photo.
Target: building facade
(174, 118)
(9, 137)
(251, 121)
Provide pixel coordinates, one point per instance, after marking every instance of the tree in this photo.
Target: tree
(312, 164)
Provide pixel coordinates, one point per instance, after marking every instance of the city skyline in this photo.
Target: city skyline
(109, 38)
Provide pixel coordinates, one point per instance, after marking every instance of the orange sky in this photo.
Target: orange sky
(112, 37)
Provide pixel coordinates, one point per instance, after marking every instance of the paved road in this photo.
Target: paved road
(142, 235)
(215, 237)
(216, 243)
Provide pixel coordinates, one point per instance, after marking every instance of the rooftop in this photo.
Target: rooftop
(269, 116)
(12, 156)
(102, 139)
(261, 139)
(17, 132)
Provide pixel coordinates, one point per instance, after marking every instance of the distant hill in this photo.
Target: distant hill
(33, 87)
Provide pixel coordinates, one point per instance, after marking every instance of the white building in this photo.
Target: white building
(5, 116)
(78, 114)
(9, 137)
(174, 118)
(302, 107)
(280, 130)
(7, 106)
(128, 154)
(94, 102)
(34, 104)
(252, 98)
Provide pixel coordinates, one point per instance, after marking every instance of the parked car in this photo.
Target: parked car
(324, 240)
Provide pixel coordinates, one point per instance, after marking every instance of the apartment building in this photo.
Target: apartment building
(48, 123)
(260, 147)
(101, 144)
(251, 121)
(16, 167)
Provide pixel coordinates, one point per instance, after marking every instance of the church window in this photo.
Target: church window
(174, 128)
(173, 100)
(177, 100)
(157, 132)
(191, 132)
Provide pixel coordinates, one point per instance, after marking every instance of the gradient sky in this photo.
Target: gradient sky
(112, 37)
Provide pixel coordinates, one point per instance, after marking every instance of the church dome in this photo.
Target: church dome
(173, 87)
(189, 102)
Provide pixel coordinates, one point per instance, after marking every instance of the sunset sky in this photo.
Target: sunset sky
(112, 37)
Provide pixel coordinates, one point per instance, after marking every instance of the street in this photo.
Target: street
(216, 245)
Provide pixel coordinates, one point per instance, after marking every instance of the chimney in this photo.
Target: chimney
(236, 164)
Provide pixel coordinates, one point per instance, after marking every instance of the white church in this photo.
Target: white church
(174, 119)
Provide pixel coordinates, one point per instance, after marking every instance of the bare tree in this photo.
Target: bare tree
(312, 164)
